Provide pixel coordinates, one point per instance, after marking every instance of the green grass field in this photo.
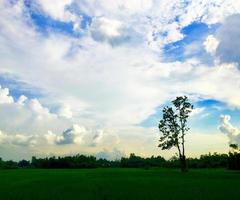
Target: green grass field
(124, 184)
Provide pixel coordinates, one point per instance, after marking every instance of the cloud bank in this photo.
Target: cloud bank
(227, 128)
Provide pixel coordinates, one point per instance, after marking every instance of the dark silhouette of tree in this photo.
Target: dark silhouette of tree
(173, 127)
(215, 160)
(9, 164)
(234, 157)
(234, 147)
(24, 164)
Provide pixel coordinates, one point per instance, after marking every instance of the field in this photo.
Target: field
(122, 184)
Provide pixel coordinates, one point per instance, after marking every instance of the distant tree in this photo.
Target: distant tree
(24, 164)
(173, 127)
(234, 147)
(10, 164)
(234, 157)
(1, 162)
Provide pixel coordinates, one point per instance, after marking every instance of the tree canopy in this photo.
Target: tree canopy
(173, 127)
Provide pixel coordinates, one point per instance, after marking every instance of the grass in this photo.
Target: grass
(122, 184)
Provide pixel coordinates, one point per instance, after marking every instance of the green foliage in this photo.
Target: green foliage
(173, 124)
(24, 164)
(233, 146)
(138, 162)
(82, 161)
(234, 157)
(9, 164)
(173, 127)
(214, 160)
(77, 161)
(133, 161)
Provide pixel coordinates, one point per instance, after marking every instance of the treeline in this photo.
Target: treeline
(230, 161)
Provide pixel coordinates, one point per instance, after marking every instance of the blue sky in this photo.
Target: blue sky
(195, 34)
(103, 72)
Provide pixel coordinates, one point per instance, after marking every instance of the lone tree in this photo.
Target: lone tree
(173, 127)
(234, 147)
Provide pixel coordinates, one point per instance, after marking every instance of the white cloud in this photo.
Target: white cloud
(82, 136)
(22, 99)
(27, 116)
(3, 137)
(117, 7)
(106, 27)
(197, 111)
(51, 137)
(98, 137)
(153, 20)
(113, 87)
(23, 140)
(208, 83)
(73, 135)
(211, 44)
(39, 110)
(208, 11)
(17, 139)
(65, 111)
(4, 96)
(227, 128)
(57, 9)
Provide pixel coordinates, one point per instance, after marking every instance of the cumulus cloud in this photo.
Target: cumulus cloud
(23, 140)
(73, 135)
(39, 109)
(211, 44)
(65, 111)
(5, 98)
(111, 74)
(17, 139)
(57, 9)
(153, 20)
(21, 100)
(104, 27)
(227, 128)
(97, 138)
(50, 137)
(33, 104)
(27, 116)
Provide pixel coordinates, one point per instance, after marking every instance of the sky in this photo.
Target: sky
(92, 77)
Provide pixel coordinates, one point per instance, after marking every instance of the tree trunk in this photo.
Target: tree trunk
(183, 164)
